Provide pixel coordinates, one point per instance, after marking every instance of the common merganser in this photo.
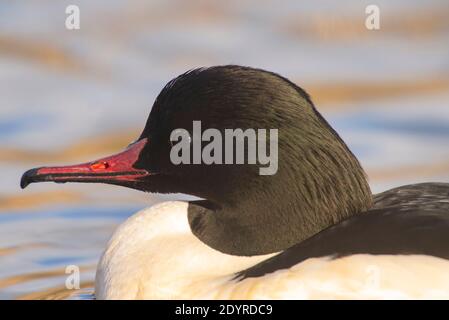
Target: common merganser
(312, 230)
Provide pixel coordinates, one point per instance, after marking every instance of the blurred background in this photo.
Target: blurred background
(74, 95)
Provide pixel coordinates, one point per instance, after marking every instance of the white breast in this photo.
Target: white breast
(154, 255)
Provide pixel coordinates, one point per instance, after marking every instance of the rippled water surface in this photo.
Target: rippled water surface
(70, 96)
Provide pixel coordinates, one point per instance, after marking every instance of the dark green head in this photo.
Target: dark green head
(318, 181)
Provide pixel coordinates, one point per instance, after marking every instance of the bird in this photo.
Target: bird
(311, 230)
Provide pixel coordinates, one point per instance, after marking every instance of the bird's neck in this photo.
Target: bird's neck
(278, 215)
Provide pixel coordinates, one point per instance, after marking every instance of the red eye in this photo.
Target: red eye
(99, 165)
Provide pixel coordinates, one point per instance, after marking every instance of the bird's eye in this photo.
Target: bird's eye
(180, 136)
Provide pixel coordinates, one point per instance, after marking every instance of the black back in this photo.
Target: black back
(408, 220)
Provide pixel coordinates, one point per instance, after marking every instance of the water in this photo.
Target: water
(72, 96)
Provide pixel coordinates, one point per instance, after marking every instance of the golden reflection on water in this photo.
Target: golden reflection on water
(34, 200)
(342, 95)
(86, 292)
(46, 54)
(338, 26)
(84, 149)
(54, 293)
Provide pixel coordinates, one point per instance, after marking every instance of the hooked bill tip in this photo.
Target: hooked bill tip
(28, 177)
